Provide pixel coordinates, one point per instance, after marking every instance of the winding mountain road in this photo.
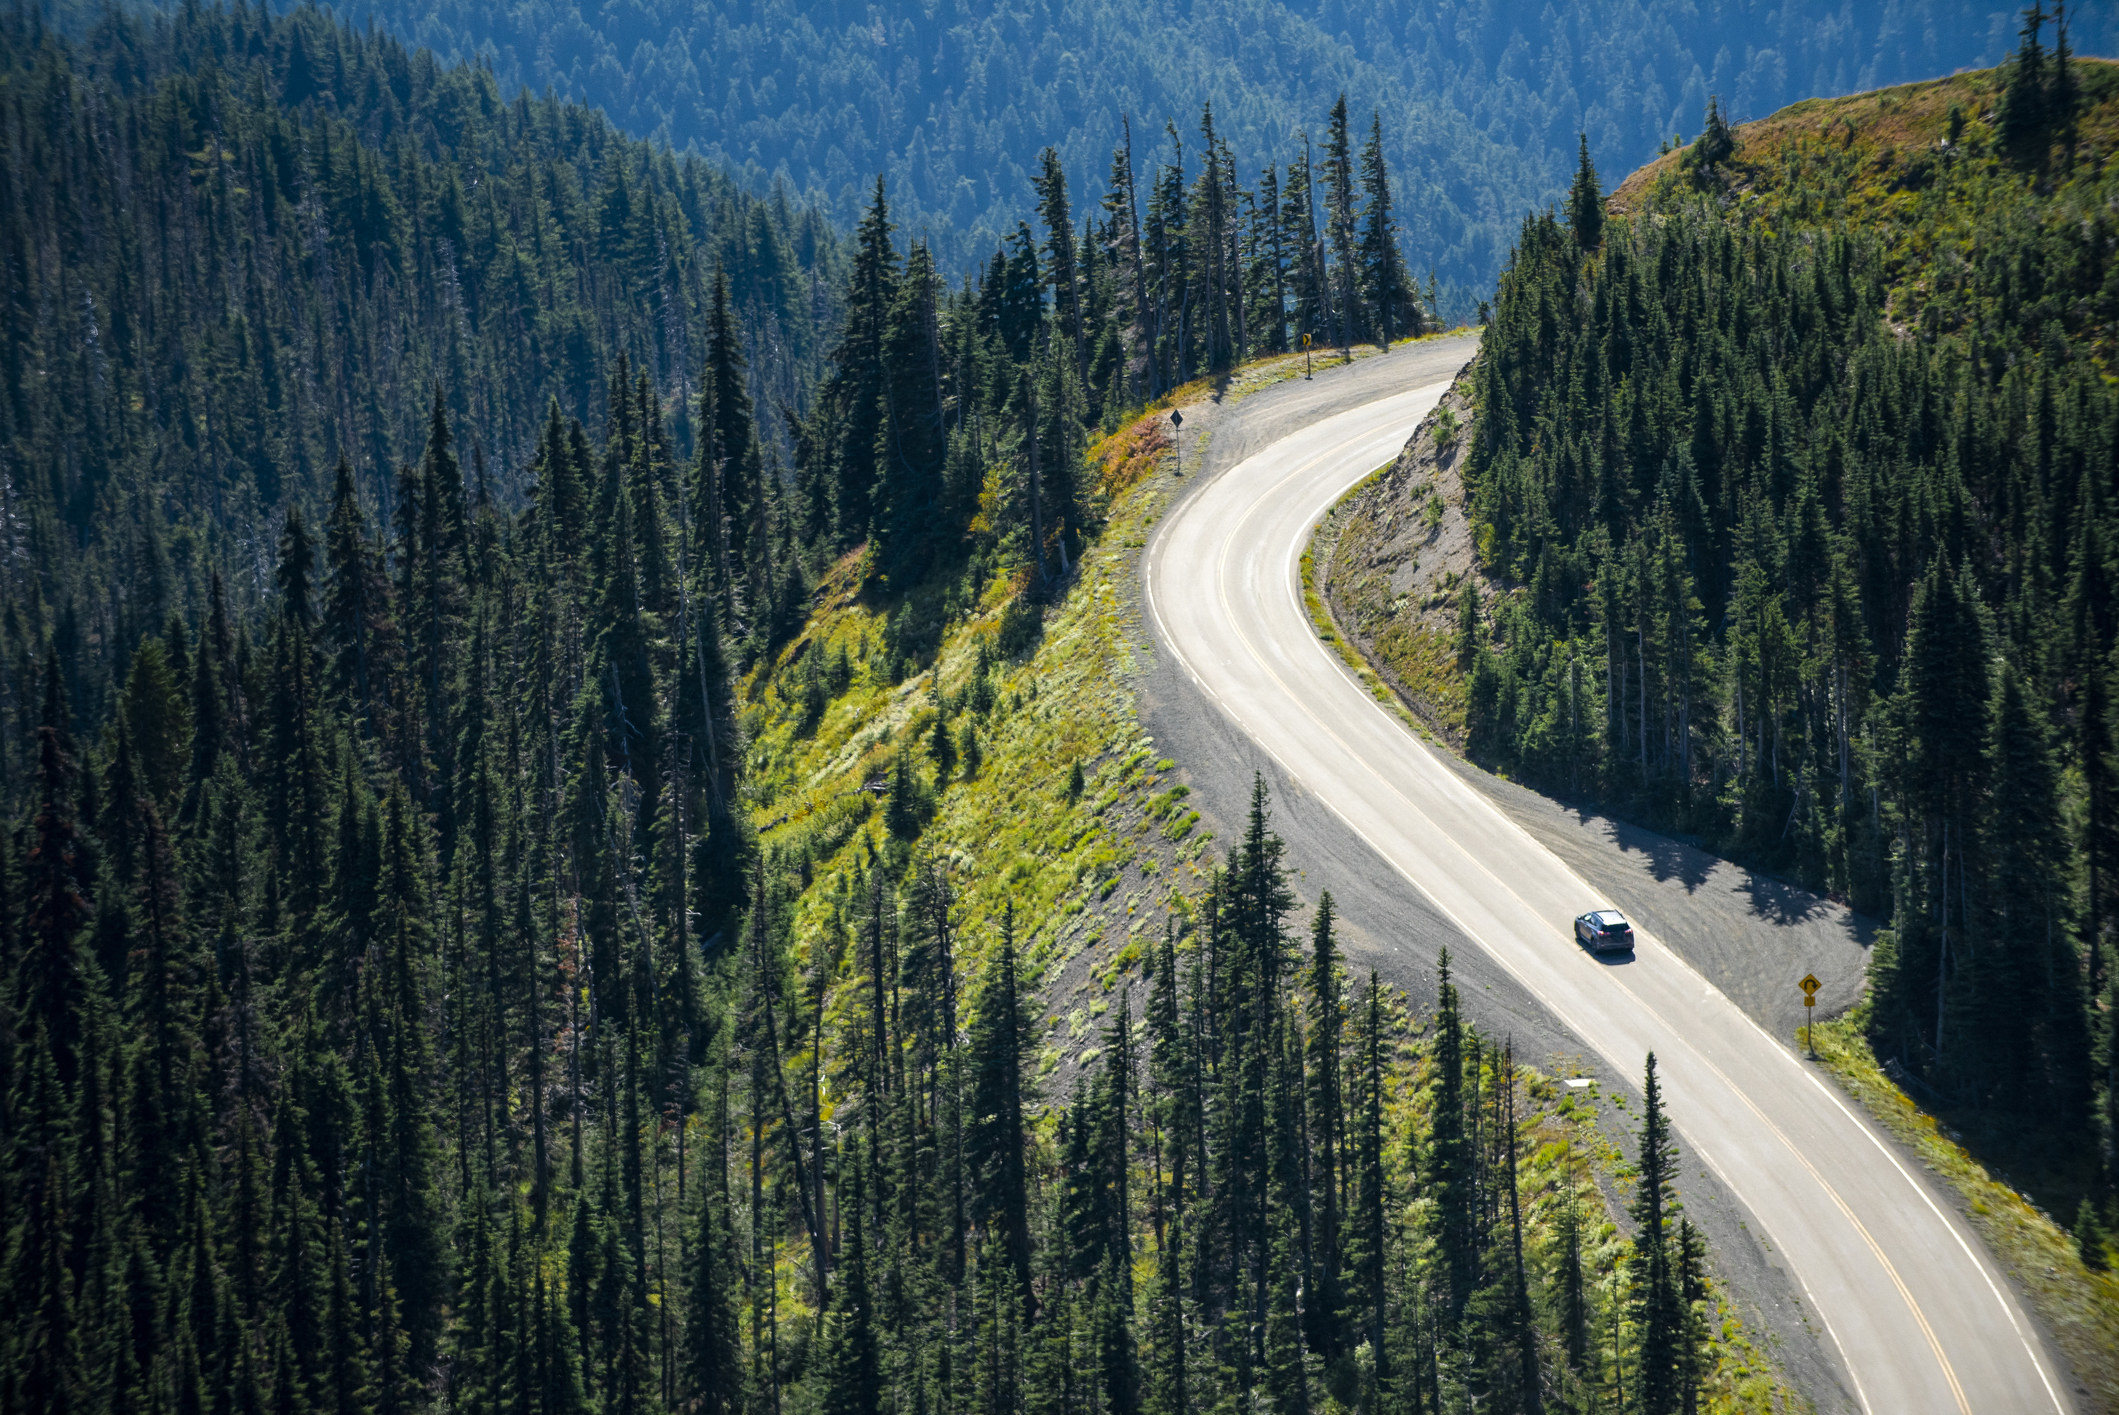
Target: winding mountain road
(1915, 1307)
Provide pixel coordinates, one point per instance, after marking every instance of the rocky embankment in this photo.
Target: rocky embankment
(1394, 559)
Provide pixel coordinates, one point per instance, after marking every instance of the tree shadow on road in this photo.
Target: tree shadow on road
(1670, 858)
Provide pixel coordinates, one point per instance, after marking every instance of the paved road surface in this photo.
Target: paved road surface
(1921, 1317)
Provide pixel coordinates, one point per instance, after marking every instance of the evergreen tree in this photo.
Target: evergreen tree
(2024, 103)
(44, 1370)
(1943, 705)
(1522, 1362)
(1113, 1308)
(856, 388)
(1585, 201)
(1325, 1285)
(1449, 1156)
(1311, 293)
(1690, 1277)
(1062, 270)
(157, 723)
(1340, 218)
(851, 1381)
(913, 442)
(294, 575)
(1369, 1253)
(1570, 1284)
(1715, 145)
(353, 585)
(393, 1079)
(2020, 963)
(1386, 288)
(54, 984)
(1658, 1311)
(994, 1137)
(731, 462)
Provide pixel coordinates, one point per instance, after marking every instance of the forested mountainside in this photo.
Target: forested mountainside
(239, 248)
(243, 247)
(1794, 478)
(408, 1005)
(1482, 99)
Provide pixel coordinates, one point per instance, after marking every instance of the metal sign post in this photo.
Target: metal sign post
(1177, 420)
(1305, 357)
(1809, 985)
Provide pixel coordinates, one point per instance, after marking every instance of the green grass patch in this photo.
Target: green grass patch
(1011, 833)
(2078, 1304)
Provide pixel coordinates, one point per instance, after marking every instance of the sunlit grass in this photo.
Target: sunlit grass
(2080, 1306)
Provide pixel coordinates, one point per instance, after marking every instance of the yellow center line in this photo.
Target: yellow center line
(1934, 1344)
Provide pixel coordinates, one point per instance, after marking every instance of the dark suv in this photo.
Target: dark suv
(1604, 931)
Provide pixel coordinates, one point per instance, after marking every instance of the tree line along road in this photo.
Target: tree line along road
(1917, 1311)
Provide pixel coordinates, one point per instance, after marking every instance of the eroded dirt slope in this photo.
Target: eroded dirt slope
(1395, 559)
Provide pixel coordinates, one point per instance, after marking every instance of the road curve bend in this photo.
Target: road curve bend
(1921, 1316)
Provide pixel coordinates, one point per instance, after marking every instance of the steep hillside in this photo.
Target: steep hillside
(1395, 561)
(1789, 504)
(1046, 842)
(1482, 100)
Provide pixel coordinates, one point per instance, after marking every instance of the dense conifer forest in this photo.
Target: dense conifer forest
(1795, 478)
(1481, 99)
(239, 251)
(403, 1011)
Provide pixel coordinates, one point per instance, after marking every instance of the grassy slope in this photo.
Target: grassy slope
(1088, 876)
(1883, 163)
(1878, 163)
(1091, 878)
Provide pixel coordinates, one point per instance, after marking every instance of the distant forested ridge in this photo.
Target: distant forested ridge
(1798, 474)
(237, 248)
(1482, 99)
(244, 246)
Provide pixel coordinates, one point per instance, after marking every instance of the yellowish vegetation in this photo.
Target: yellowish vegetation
(2078, 1304)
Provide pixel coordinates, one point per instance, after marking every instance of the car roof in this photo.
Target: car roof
(1607, 916)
